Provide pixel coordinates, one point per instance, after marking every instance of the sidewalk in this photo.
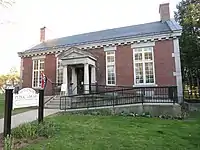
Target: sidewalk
(25, 117)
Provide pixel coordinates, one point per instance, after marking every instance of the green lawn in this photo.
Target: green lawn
(86, 132)
(15, 111)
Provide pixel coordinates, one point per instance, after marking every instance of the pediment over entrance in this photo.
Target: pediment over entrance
(75, 53)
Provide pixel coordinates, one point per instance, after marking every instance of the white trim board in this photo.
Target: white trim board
(153, 61)
(178, 70)
(148, 44)
(114, 68)
(110, 48)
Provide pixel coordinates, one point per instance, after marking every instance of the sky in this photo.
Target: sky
(20, 23)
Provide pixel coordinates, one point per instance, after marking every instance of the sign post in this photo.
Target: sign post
(41, 106)
(8, 111)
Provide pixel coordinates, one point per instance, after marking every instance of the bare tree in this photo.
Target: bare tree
(6, 3)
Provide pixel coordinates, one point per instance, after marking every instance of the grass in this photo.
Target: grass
(15, 111)
(87, 132)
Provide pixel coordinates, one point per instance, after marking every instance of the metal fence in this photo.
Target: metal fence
(120, 96)
(56, 88)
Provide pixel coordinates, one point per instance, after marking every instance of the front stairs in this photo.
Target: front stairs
(52, 102)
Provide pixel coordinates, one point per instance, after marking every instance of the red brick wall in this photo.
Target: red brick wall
(27, 72)
(50, 72)
(124, 65)
(164, 66)
(100, 65)
(164, 63)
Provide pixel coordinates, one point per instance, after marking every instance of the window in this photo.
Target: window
(59, 72)
(144, 66)
(110, 68)
(38, 68)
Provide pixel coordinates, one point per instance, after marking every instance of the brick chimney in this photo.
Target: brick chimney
(42, 34)
(164, 12)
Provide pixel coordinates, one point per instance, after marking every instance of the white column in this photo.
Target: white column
(74, 80)
(65, 82)
(178, 70)
(93, 78)
(93, 74)
(86, 78)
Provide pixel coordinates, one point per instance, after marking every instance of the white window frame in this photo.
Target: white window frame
(39, 59)
(110, 64)
(58, 68)
(143, 65)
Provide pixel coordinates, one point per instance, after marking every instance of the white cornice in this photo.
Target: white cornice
(110, 48)
(136, 45)
(104, 44)
(38, 57)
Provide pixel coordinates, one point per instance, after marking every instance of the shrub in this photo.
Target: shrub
(95, 112)
(8, 143)
(33, 130)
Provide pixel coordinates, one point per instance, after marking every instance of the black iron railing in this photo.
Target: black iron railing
(56, 88)
(92, 88)
(120, 96)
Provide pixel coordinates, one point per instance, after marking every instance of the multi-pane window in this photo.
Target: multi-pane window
(38, 68)
(110, 68)
(59, 73)
(144, 65)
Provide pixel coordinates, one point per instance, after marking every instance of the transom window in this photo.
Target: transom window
(38, 68)
(110, 68)
(144, 65)
(59, 72)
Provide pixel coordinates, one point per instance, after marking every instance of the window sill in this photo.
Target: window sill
(110, 84)
(145, 85)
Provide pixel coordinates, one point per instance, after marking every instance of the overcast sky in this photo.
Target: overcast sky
(24, 19)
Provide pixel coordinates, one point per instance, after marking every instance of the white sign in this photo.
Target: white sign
(26, 97)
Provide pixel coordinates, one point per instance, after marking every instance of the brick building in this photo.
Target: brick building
(138, 55)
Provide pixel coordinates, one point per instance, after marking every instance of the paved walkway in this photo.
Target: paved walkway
(25, 117)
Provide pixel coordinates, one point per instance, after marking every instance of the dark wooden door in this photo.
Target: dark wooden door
(80, 80)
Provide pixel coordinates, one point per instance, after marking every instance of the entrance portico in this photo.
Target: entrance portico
(78, 70)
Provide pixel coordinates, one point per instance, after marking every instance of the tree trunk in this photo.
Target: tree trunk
(190, 79)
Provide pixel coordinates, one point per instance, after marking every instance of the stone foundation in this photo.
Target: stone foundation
(193, 106)
(152, 108)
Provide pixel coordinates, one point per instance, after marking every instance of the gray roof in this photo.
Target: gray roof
(148, 29)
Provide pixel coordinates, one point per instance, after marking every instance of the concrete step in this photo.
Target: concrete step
(56, 103)
(56, 106)
(52, 106)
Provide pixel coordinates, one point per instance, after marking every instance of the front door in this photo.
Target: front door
(80, 80)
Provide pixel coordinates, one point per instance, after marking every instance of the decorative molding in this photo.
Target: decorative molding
(151, 44)
(38, 57)
(110, 48)
(108, 43)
